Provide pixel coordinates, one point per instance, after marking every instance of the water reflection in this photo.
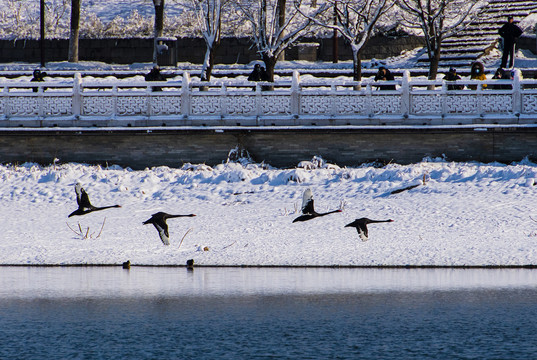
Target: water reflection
(234, 313)
(76, 282)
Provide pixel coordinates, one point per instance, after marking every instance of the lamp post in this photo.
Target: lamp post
(42, 32)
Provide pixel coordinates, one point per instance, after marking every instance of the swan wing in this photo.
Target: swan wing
(163, 233)
(307, 202)
(362, 232)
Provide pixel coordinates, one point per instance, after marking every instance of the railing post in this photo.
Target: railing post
(333, 97)
(258, 100)
(405, 93)
(368, 100)
(479, 95)
(295, 94)
(517, 92)
(148, 101)
(223, 100)
(76, 105)
(40, 101)
(444, 97)
(185, 94)
(115, 94)
(5, 100)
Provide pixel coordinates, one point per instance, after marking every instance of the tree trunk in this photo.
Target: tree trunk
(357, 65)
(74, 33)
(208, 63)
(281, 24)
(335, 49)
(159, 26)
(270, 63)
(281, 13)
(433, 62)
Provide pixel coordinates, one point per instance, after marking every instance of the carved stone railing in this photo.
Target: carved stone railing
(79, 102)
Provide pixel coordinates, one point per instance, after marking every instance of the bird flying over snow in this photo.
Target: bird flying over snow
(308, 211)
(84, 205)
(159, 221)
(361, 226)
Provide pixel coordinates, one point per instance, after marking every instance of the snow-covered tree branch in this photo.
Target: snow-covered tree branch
(439, 20)
(209, 14)
(276, 25)
(356, 21)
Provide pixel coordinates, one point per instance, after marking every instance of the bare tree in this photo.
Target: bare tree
(276, 26)
(356, 21)
(74, 32)
(439, 20)
(158, 27)
(209, 20)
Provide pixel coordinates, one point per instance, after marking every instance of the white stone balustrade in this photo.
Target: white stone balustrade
(80, 102)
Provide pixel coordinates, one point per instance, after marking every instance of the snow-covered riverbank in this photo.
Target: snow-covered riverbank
(465, 214)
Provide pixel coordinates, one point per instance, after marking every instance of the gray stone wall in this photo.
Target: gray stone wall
(231, 50)
(281, 148)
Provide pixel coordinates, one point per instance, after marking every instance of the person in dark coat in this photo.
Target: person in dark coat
(264, 74)
(265, 77)
(453, 76)
(502, 74)
(38, 76)
(384, 75)
(509, 32)
(255, 75)
(155, 75)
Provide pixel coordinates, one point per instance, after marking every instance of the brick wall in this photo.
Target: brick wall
(282, 148)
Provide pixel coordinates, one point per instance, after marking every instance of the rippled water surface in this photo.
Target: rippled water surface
(208, 313)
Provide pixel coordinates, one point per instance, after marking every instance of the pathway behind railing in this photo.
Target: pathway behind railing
(87, 102)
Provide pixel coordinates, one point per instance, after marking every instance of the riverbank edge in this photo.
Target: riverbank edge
(245, 266)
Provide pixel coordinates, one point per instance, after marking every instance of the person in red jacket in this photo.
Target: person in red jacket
(509, 32)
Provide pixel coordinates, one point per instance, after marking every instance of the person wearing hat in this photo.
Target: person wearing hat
(453, 76)
(509, 32)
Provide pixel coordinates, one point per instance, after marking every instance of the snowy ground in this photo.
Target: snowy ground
(466, 214)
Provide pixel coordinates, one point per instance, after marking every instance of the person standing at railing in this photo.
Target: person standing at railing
(453, 76)
(510, 33)
(502, 74)
(384, 74)
(39, 77)
(259, 74)
(265, 78)
(255, 75)
(155, 75)
(477, 72)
